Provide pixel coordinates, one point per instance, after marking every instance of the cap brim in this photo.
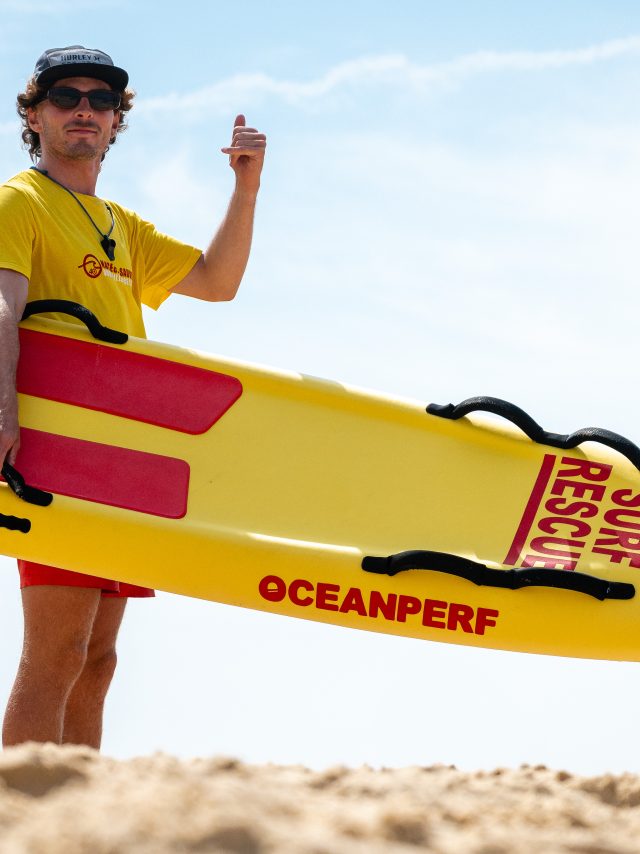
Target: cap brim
(117, 78)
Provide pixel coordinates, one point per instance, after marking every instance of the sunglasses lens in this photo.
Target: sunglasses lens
(103, 99)
(66, 98)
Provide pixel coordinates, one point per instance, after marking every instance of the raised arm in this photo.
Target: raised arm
(217, 275)
(13, 297)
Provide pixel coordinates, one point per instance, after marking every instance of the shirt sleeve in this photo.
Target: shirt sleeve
(166, 262)
(17, 231)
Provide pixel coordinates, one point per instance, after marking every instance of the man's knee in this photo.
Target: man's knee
(58, 664)
(98, 670)
(58, 625)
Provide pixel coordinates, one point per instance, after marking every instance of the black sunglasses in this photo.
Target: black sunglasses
(67, 98)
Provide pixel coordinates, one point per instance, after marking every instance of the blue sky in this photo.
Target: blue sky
(449, 208)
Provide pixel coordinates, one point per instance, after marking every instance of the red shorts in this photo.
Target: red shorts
(39, 573)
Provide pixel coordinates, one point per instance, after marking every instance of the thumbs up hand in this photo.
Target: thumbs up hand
(246, 155)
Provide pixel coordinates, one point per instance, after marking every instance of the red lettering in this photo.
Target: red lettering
(627, 541)
(486, 619)
(434, 610)
(407, 605)
(618, 557)
(575, 508)
(541, 544)
(630, 543)
(617, 517)
(326, 596)
(353, 601)
(550, 526)
(460, 615)
(578, 489)
(585, 469)
(619, 498)
(387, 607)
(294, 589)
(272, 588)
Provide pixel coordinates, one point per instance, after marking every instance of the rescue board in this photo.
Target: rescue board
(197, 475)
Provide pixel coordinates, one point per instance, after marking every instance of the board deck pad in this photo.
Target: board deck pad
(116, 477)
(131, 385)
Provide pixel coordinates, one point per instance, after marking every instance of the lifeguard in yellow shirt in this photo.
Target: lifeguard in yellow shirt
(58, 240)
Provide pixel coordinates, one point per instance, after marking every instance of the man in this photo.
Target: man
(50, 220)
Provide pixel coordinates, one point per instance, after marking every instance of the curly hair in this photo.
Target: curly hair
(33, 94)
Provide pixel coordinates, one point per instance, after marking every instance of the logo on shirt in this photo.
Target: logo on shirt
(93, 267)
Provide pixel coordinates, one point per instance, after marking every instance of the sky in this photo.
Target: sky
(449, 208)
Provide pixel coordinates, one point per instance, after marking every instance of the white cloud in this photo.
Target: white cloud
(392, 68)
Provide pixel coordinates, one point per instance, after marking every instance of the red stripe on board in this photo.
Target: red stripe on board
(119, 477)
(132, 385)
(530, 510)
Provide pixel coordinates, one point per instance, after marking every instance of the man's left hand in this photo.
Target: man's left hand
(246, 155)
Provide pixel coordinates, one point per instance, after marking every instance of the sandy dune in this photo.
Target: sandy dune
(72, 799)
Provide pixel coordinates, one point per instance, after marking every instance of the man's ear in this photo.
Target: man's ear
(114, 127)
(33, 118)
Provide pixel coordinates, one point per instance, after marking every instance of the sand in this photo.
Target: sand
(72, 799)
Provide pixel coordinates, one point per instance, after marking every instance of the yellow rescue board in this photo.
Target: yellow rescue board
(197, 475)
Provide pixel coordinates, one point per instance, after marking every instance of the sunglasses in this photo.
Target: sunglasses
(67, 98)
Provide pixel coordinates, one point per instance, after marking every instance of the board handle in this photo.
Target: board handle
(27, 493)
(15, 523)
(511, 579)
(80, 312)
(533, 430)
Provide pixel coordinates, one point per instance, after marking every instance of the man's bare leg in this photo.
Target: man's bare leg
(57, 629)
(85, 705)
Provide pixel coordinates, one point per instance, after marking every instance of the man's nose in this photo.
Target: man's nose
(84, 106)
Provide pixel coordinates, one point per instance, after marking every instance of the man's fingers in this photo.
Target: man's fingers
(239, 122)
(9, 454)
(248, 142)
(246, 136)
(250, 150)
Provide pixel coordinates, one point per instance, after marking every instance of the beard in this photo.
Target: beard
(68, 148)
(82, 149)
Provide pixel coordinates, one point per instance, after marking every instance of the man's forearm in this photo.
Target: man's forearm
(218, 272)
(9, 352)
(13, 296)
(225, 260)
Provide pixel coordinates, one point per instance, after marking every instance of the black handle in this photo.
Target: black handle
(15, 523)
(512, 579)
(100, 332)
(533, 430)
(27, 493)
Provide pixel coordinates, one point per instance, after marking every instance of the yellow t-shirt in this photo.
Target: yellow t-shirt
(46, 236)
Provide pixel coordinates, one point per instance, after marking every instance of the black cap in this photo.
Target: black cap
(78, 61)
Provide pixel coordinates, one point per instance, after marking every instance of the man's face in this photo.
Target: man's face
(77, 134)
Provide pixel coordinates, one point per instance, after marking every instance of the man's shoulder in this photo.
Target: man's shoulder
(18, 189)
(22, 181)
(121, 209)
(125, 216)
